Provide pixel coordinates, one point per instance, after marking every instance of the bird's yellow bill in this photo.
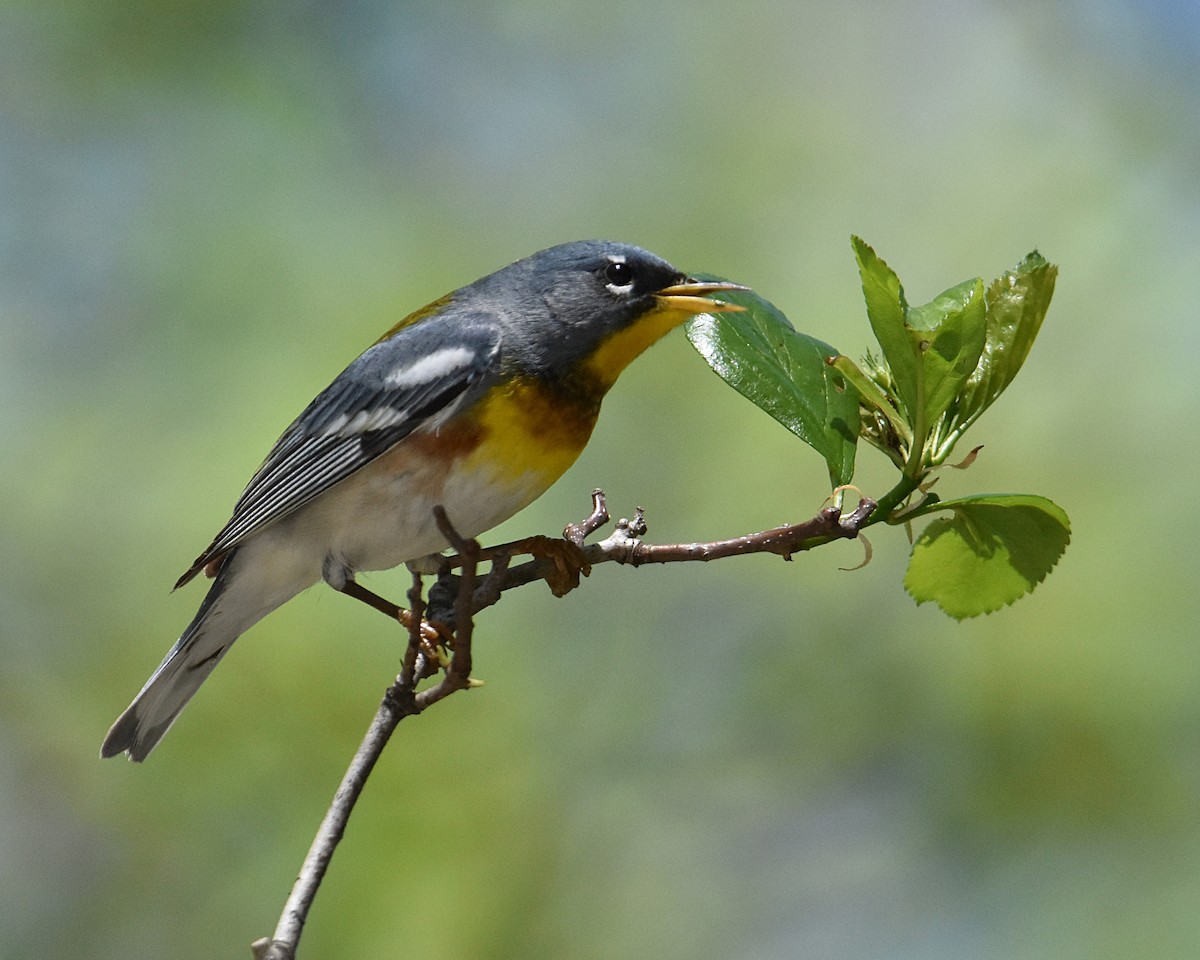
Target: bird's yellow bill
(690, 297)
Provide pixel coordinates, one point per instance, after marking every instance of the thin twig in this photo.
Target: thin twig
(457, 675)
(397, 703)
(625, 546)
(578, 532)
(401, 700)
(412, 653)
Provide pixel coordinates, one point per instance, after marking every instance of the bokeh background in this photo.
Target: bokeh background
(207, 209)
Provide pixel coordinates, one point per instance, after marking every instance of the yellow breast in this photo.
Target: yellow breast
(530, 434)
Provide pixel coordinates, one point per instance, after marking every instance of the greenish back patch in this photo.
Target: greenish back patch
(429, 310)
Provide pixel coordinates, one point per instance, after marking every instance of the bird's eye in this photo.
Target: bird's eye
(618, 274)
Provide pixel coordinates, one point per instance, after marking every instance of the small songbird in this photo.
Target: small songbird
(477, 402)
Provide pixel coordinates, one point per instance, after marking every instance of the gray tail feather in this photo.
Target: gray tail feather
(187, 665)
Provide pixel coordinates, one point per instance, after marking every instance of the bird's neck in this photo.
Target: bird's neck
(621, 348)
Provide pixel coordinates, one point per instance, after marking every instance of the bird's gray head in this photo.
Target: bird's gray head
(562, 302)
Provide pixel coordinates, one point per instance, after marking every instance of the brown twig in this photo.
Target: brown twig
(578, 532)
(625, 545)
(469, 596)
(457, 675)
(410, 666)
(399, 701)
(785, 541)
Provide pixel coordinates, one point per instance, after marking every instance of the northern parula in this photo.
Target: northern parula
(477, 402)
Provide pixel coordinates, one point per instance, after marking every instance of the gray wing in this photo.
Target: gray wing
(414, 380)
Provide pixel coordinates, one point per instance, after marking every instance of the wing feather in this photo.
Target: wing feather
(408, 383)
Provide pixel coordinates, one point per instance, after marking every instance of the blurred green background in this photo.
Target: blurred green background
(207, 210)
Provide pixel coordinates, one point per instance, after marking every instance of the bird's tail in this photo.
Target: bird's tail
(220, 620)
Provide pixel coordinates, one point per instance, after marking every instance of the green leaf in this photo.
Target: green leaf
(886, 310)
(948, 335)
(869, 392)
(1016, 305)
(880, 423)
(930, 350)
(993, 550)
(784, 373)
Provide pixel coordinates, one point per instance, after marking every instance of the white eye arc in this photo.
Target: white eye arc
(619, 275)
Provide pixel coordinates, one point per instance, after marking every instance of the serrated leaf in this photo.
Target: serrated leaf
(930, 350)
(992, 550)
(1016, 305)
(784, 373)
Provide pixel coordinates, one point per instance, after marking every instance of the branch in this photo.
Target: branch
(625, 545)
(449, 621)
(399, 701)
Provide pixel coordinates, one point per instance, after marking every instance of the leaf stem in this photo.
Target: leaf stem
(916, 452)
(892, 499)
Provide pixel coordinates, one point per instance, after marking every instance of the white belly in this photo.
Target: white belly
(378, 518)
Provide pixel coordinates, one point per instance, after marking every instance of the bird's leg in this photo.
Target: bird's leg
(341, 578)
